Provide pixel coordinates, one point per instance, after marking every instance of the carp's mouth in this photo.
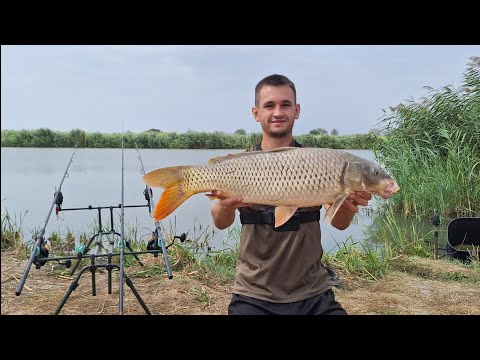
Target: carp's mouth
(390, 188)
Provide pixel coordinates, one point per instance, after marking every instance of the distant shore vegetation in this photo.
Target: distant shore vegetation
(157, 139)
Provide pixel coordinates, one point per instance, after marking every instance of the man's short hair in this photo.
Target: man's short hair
(274, 80)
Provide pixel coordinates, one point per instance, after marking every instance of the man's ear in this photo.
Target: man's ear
(255, 113)
(297, 111)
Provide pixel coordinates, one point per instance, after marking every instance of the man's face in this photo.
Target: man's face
(276, 111)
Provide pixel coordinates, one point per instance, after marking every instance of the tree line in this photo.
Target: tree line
(156, 139)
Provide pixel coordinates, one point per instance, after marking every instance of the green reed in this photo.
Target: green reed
(223, 262)
(429, 181)
(432, 149)
(357, 260)
(399, 235)
(11, 235)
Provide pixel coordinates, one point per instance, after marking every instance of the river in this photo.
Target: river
(30, 177)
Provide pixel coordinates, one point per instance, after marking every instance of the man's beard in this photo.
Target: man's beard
(278, 134)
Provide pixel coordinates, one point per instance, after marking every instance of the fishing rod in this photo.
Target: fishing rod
(157, 236)
(41, 250)
(94, 265)
(42, 247)
(122, 234)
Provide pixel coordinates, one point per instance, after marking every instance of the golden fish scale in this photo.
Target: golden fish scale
(305, 178)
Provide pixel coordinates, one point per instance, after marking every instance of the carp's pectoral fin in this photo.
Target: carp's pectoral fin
(212, 197)
(283, 214)
(332, 210)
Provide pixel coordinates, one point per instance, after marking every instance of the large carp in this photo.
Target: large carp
(287, 177)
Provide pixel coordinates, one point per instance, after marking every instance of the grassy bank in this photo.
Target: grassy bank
(374, 282)
(386, 250)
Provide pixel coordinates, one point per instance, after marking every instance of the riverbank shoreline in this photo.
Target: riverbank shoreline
(414, 286)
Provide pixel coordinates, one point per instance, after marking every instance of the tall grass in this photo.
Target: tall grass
(196, 257)
(63, 244)
(358, 261)
(398, 235)
(428, 181)
(11, 235)
(432, 149)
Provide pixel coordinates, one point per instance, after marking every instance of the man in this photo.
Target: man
(280, 272)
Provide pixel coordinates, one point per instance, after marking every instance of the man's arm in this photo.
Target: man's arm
(223, 211)
(347, 211)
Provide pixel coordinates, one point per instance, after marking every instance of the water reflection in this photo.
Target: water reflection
(419, 234)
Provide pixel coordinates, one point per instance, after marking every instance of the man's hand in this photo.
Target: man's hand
(231, 203)
(223, 211)
(355, 199)
(349, 208)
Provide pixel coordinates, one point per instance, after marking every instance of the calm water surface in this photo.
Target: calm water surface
(30, 176)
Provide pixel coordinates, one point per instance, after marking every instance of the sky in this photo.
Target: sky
(111, 88)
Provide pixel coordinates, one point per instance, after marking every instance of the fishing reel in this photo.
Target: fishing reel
(182, 237)
(58, 200)
(43, 252)
(148, 193)
(154, 244)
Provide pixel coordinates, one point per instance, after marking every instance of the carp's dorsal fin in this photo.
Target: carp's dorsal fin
(332, 210)
(247, 153)
(231, 156)
(283, 148)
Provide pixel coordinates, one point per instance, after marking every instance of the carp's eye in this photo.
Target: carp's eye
(374, 172)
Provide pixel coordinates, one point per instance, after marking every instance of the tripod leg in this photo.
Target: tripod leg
(71, 288)
(135, 255)
(93, 268)
(109, 268)
(77, 263)
(137, 295)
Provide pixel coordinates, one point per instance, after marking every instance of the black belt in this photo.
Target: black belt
(268, 217)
